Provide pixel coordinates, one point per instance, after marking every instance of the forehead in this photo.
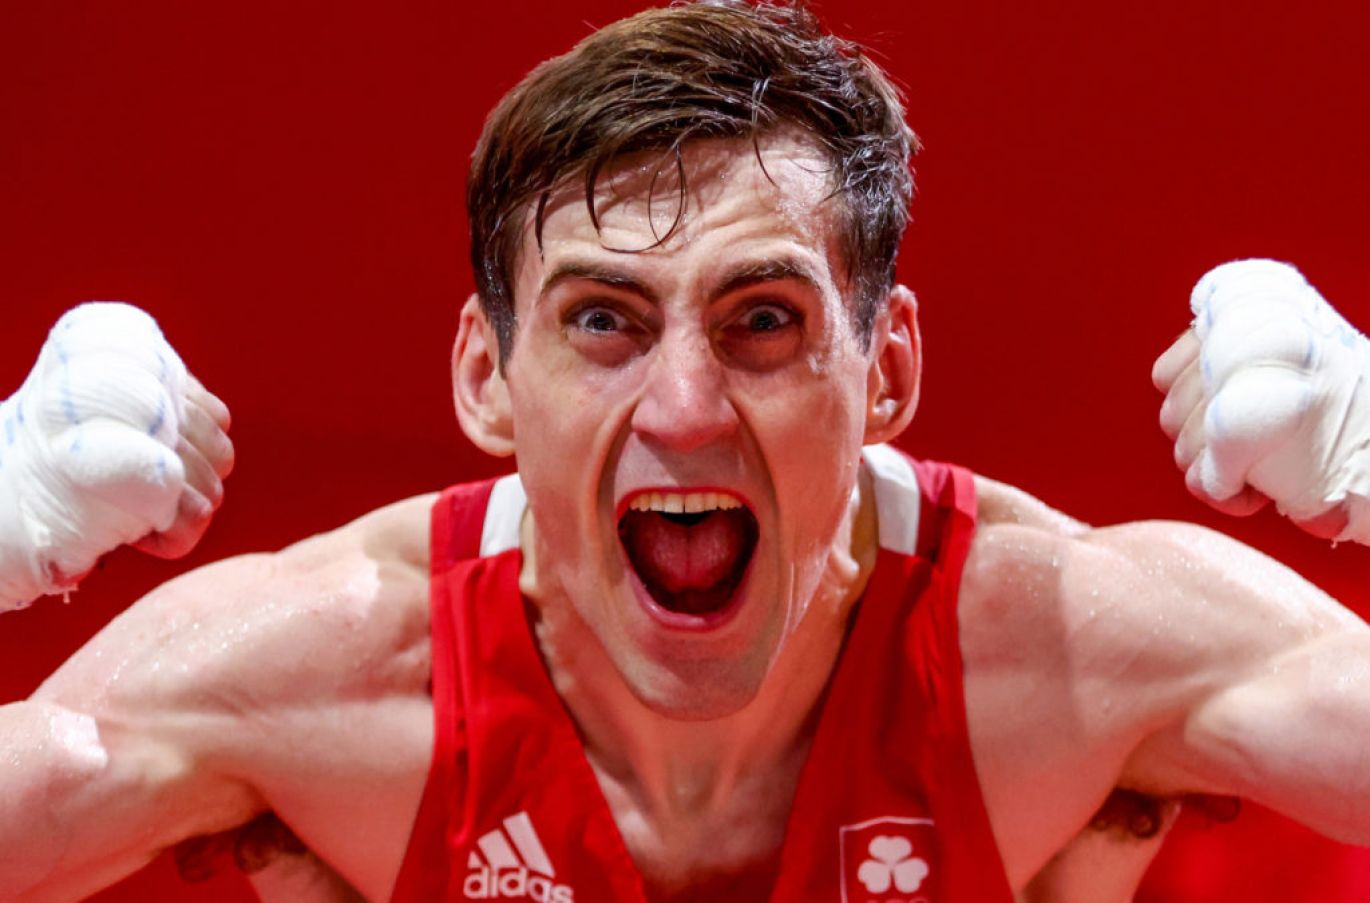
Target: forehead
(715, 197)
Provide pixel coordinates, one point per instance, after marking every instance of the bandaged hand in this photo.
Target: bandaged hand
(109, 441)
(1266, 398)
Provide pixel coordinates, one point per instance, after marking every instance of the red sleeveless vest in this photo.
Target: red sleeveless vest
(887, 807)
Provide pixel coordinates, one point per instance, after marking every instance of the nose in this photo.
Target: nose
(684, 405)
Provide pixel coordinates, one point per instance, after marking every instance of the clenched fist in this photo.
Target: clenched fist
(109, 441)
(1266, 399)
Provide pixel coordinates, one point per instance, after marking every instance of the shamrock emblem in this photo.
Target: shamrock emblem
(892, 863)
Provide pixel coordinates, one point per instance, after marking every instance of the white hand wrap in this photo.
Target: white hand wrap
(1286, 379)
(88, 449)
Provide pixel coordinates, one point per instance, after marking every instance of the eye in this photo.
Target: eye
(763, 336)
(766, 318)
(763, 321)
(601, 320)
(604, 333)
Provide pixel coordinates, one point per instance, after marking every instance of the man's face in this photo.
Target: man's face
(718, 373)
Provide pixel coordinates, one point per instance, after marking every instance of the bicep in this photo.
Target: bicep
(1293, 735)
(1255, 682)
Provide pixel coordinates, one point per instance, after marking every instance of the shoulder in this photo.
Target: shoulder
(1166, 610)
(1082, 645)
(280, 622)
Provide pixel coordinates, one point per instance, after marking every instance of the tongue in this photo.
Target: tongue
(681, 557)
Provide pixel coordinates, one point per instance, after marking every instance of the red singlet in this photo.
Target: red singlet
(887, 808)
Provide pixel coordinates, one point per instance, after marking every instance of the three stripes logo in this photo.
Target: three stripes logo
(512, 864)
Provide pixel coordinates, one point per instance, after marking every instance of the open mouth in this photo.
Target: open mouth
(690, 550)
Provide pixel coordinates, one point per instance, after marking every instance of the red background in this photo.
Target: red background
(281, 185)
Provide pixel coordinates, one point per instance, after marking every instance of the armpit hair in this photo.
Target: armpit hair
(1131, 814)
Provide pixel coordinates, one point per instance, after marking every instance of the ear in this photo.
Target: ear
(896, 368)
(478, 387)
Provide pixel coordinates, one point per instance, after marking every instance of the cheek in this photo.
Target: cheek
(812, 440)
(565, 422)
(557, 400)
(813, 411)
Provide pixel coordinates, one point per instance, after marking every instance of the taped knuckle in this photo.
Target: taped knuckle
(1267, 338)
(111, 386)
(1258, 410)
(105, 322)
(1242, 282)
(106, 462)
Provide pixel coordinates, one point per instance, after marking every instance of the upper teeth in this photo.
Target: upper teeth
(683, 502)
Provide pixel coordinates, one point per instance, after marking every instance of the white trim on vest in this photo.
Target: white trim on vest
(897, 499)
(503, 515)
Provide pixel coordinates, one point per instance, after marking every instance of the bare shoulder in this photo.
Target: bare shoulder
(268, 625)
(1159, 590)
(266, 682)
(1082, 643)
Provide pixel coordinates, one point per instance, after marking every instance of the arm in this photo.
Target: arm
(1258, 682)
(1095, 659)
(1293, 735)
(258, 683)
(116, 756)
(86, 803)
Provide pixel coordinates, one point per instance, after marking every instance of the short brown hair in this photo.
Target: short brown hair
(661, 78)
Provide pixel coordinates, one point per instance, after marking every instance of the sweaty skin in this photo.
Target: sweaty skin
(204, 731)
(1158, 657)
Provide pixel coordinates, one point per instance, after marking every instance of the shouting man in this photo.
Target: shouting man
(714, 640)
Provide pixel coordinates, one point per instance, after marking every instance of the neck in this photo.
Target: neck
(675, 768)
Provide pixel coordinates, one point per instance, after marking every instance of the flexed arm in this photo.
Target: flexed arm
(116, 756)
(1256, 683)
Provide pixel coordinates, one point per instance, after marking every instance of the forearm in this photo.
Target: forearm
(80, 808)
(50, 755)
(1297, 737)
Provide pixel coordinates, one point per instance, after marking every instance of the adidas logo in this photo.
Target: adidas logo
(510, 872)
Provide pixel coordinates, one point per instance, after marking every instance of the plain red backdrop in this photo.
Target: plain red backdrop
(281, 185)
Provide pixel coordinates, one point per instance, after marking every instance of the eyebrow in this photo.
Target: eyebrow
(777, 270)
(740, 277)
(577, 269)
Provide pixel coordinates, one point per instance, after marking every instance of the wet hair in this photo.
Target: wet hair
(665, 77)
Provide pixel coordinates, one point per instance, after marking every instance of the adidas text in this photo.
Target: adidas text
(489, 884)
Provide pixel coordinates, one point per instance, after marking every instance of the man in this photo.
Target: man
(704, 647)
